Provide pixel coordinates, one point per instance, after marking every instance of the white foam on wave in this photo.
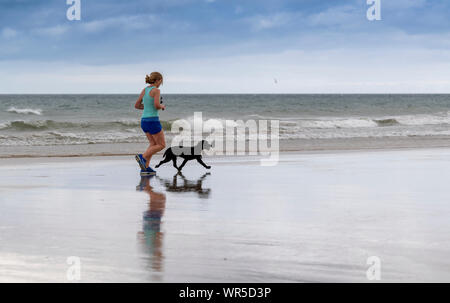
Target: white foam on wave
(369, 122)
(368, 134)
(5, 125)
(49, 132)
(129, 122)
(25, 111)
(424, 119)
(338, 123)
(70, 138)
(205, 120)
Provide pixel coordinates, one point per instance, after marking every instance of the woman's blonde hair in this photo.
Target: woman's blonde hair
(153, 77)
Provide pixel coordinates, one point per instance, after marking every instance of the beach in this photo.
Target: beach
(317, 135)
(313, 217)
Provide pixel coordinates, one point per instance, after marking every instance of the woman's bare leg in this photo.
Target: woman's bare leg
(152, 142)
(160, 144)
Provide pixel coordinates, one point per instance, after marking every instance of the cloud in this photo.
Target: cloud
(8, 33)
(403, 4)
(56, 30)
(135, 22)
(309, 71)
(341, 15)
(247, 38)
(263, 22)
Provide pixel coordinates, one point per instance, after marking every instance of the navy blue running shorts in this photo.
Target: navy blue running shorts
(151, 125)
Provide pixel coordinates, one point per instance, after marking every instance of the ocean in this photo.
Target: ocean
(74, 125)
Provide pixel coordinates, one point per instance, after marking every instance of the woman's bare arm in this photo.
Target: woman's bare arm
(156, 96)
(139, 104)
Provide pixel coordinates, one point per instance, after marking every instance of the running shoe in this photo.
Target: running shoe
(148, 172)
(141, 161)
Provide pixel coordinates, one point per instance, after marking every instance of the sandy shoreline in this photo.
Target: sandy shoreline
(312, 217)
(294, 145)
(19, 159)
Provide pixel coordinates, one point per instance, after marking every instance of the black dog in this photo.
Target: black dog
(187, 153)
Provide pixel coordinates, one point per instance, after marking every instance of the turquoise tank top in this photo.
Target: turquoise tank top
(149, 104)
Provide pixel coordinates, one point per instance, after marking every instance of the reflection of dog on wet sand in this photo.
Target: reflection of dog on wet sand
(187, 185)
(187, 153)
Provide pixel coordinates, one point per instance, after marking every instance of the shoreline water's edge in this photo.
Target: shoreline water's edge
(283, 152)
(292, 146)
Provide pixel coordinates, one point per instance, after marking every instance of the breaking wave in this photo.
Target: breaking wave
(51, 132)
(410, 120)
(25, 111)
(37, 125)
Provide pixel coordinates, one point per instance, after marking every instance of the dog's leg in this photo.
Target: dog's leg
(203, 163)
(182, 165)
(204, 176)
(165, 160)
(174, 160)
(175, 180)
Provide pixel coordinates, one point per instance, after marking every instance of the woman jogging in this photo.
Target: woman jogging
(149, 102)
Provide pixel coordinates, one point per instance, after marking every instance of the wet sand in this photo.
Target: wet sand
(291, 145)
(312, 218)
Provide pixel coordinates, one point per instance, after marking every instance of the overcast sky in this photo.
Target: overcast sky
(225, 46)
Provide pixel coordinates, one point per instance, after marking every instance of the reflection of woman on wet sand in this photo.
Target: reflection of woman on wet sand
(151, 234)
